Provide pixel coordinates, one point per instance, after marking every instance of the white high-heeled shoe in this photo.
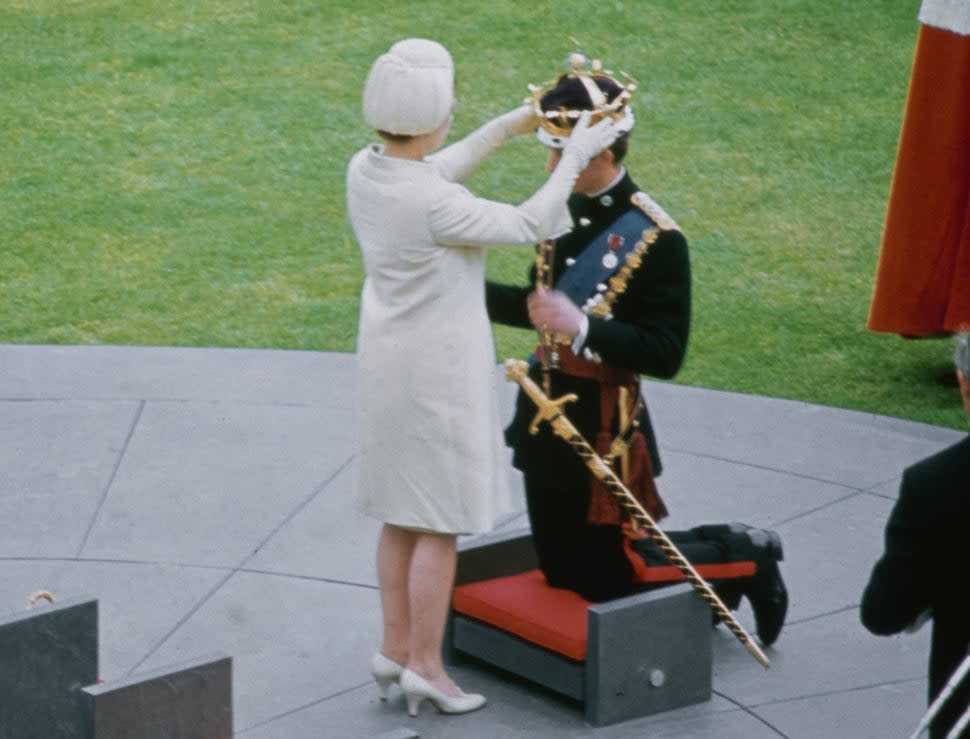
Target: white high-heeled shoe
(386, 672)
(417, 689)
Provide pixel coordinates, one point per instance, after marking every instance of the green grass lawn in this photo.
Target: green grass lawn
(171, 173)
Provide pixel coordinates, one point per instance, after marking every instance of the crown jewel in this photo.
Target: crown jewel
(556, 125)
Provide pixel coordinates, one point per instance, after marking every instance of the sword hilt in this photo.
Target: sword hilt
(551, 410)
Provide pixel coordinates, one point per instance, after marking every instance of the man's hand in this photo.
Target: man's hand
(551, 310)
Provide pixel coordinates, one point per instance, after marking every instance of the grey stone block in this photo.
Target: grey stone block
(46, 655)
(498, 554)
(509, 652)
(191, 700)
(646, 653)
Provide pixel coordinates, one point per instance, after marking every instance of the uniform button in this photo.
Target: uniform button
(606, 201)
(584, 221)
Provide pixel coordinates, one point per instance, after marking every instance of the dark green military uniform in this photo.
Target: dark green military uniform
(646, 335)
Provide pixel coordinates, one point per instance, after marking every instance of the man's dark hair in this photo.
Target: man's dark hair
(619, 147)
(569, 93)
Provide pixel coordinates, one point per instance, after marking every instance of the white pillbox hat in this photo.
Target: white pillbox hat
(410, 89)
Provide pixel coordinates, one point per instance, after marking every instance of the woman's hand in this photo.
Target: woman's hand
(586, 141)
(519, 121)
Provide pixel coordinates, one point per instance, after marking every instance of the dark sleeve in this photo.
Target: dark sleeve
(507, 304)
(651, 323)
(900, 587)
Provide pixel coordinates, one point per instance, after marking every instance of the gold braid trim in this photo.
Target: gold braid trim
(654, 212)
(618, 282)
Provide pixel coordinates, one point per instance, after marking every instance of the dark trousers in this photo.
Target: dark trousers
(591, 560)
(702, 545)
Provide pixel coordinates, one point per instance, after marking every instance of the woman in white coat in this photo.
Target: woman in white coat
(431, 453)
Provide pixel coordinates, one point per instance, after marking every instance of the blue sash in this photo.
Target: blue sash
(580, 280)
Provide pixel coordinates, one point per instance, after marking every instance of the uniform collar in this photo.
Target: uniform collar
(616, 180)
(605, 206)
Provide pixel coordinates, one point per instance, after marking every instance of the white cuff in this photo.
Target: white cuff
(920, 620)
(581, 336)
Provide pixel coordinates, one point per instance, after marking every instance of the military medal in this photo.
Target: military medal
(613, 243)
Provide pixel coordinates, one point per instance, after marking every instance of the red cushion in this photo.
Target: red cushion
(724, 571)
(553, 618)
(526, 606)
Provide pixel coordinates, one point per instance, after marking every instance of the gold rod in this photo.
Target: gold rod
(551, 411)
(549, 358)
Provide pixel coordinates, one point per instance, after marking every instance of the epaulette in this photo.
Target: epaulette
(654, 212)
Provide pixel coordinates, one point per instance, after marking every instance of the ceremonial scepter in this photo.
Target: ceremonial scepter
(962, 670)
(960, 726)
(550, 354)
(551, 411)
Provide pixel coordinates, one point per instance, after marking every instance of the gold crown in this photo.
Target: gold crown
(559, 123)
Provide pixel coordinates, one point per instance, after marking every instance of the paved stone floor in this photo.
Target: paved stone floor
(204, 497)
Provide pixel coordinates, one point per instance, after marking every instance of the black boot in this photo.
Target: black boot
(730, 593)
(764, 543)
(765, 589)
(769, 601)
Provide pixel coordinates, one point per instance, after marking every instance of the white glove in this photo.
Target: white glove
(519, 121)
(457, 162)
(586, 141)
(919, 621)
(548, 205)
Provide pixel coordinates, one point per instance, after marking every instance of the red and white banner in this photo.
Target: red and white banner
(923, 278)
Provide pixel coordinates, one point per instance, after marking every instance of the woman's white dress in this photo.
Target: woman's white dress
(431, 450)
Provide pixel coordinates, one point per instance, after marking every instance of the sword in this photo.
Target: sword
(551, 411)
